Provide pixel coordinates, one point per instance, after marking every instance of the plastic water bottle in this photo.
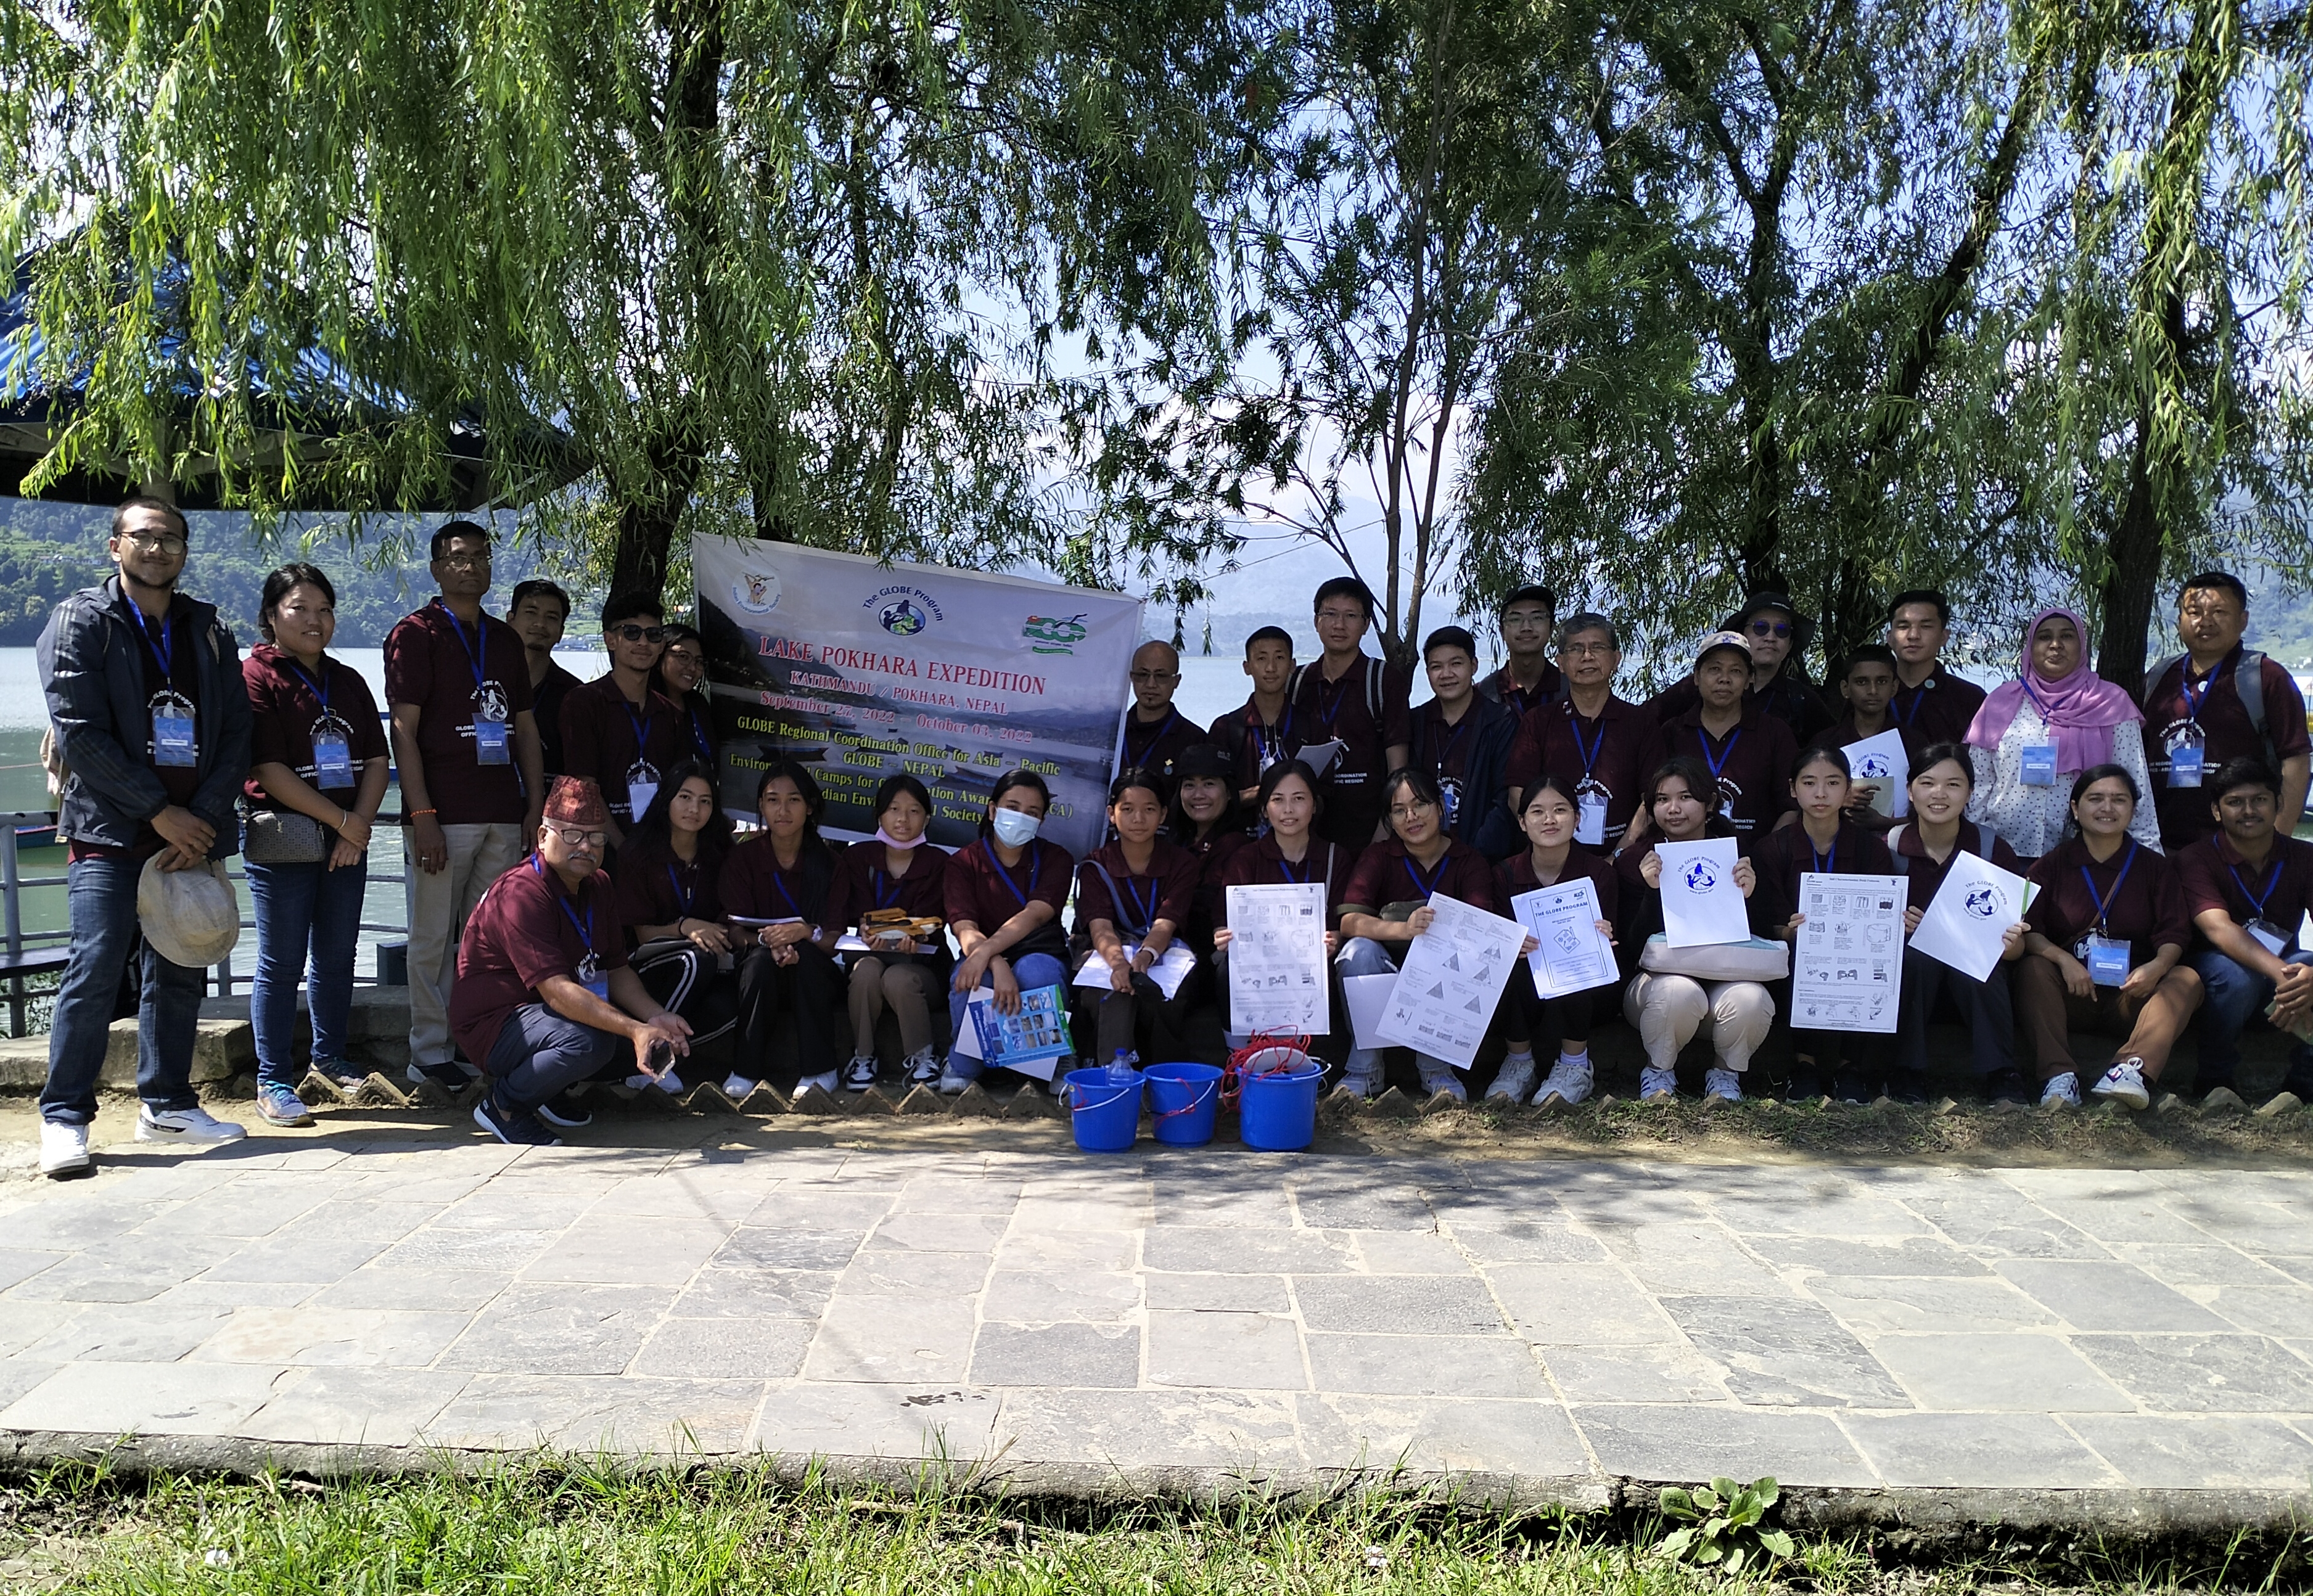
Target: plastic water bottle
(1119, 1068)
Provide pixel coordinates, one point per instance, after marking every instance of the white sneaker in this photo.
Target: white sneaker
(860, 1074)
(184, 1125)
(1515, 1080)
(1358, 1083)
(63, 1150)
(1569, 1084)
(2124, 1082)
(952, 1085)
(1441, 1077)
(1723, 1085)
(1657, 1086)
(2064, 1092)
(923, 1067)
(826, 1083)
(737, 1087)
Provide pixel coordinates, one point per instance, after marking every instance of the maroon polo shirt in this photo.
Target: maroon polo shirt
(1154, 745)
(1257, 744)
(863, 882)
(1613, 754)
(2227, 732)
(1940, 709)
(980, 892)
(1753, 763)
(756, 885)
(2213, 876)
(2148, 909)
(546, 710)
(598, 739)
(1780, 858)
(1517, 875)
(1386, 878)
(1165, 890)
(1499, 687)
(1212, 853)
(1343, 709)
(285, 712)
(657, 889)
(1924, 873)
(1262, 864)
(527, 929)
(427, 664)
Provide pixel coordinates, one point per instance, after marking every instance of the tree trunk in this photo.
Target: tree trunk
(2133, 571)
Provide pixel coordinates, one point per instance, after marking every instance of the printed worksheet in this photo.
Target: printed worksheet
(1277, 959)
(1452, 977)
(1573, 955)
(1847, 968)
(1173, 966)
(1701, 903)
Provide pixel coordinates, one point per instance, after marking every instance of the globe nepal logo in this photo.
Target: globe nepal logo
(902, 611)
(1985, 901)
(1701, 876)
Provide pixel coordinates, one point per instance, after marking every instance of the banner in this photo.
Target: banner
(858, 670)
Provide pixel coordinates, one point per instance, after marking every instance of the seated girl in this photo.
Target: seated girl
(1290, 853)
(2102, 942)
(1548, 815)
(1669, 1010)
(779, 878)
(1386, 906)
(1209, 820)
(671, 902)
(1004, 893)
(896, 872)
(1825, 842)
(1923, 846)
(1133, 894)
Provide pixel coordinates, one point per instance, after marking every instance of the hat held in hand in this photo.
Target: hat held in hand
(191, 916)
(577, 801)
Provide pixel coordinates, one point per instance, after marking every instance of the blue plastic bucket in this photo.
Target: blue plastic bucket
(1185, 1098)
(1106, 1117)
(1278, 1113)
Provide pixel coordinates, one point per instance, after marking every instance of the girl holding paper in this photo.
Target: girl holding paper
(1290, 853)
(896, 871)
(2055, 720)
(1826, 842)
(671, 903)
(779, 879)
(2103, 939)
(1386, 906)
(1133, 895)
(1923, 848)
(1548, 814)
(1667, 1008)
(1004, 893)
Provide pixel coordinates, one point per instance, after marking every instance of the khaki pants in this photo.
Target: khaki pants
(907, 988)
(1669, 1010)
(438, 907)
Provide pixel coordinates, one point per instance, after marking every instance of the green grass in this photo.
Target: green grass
(559, 1527)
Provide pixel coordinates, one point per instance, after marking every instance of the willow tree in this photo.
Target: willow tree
(801, 268)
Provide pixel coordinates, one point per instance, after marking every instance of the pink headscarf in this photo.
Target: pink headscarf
(2080, 710)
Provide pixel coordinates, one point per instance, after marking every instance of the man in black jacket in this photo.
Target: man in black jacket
(152, 719)
(1463, 738)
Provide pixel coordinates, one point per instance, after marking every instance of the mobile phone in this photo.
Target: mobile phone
(660, 1058)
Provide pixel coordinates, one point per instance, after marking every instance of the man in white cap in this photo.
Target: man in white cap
(152, 719)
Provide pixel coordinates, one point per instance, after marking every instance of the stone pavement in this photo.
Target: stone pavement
(1199, 1320)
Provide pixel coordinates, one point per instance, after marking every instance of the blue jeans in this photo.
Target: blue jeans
(101, 895)
(1032, 970)
(1363, 956)
(539, 1054)
(302, 911)
(2232, 994)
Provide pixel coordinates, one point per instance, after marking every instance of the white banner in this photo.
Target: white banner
(859, 671)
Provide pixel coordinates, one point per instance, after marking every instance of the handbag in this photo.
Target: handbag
(1753, 959)
(282, 837)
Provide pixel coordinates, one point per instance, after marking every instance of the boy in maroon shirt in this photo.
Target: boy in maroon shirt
(544, 993)
(617, 731)
(2248, 889)
(1261, 733)
(1747, 751)
(1605, 745)
(1527, 679)
(1351, 698)
(2196, 720)
(1930, 701)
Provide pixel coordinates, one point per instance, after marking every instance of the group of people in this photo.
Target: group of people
(584, 909)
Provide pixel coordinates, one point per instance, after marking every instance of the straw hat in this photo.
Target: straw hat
(190, 916)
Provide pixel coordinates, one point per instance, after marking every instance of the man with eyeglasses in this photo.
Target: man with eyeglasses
(473, 775)
(1154, 731)
(618, 730)
(1604, 746)
(2216, 702)
(1350, 698)
(1777, 635)
(538, 613)
(150, 716)
(1527, 679)
(545, 995)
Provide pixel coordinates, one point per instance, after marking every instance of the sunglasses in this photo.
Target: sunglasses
(1770, 628)
(631, 633)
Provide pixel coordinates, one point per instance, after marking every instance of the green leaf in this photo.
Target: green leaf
(1769, 1492)
(1675, 1543)
(1727, 1489)
(1676, 1501)
(1779, 1542)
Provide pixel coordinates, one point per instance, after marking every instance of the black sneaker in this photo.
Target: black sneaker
(1804, 1087)
(1852, 1089)
(514, 1129)
(1908, 1087)
(452, 1077)
(566, 1111)
(2007, 1087)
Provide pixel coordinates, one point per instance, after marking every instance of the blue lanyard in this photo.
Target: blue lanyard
(640, 722)
(681, 897)
(1172, 719)
(476, 649)
(1919, 696)
(1436, 874)
(2193, 701)
(1284, 729)
(1725, 754)
(779, 879)
(2097, 896)
(2258, 898)
(1148, 909)
(1825, 864)
(1035, 864)
(698, 738)
(899, 884)
(163, 651)
(1339, 690)
(320, 689)
(1285, 869)
(1590, 752)
(584, 928)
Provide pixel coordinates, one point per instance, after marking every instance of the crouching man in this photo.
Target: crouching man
(544, 998)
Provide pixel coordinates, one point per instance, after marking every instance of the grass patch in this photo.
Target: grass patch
(555, 1526)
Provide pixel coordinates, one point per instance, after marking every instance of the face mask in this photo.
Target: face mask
(890, 841)
(1013, 829)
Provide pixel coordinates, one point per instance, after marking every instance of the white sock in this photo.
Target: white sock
(1524, 1056)
(1580, 1060)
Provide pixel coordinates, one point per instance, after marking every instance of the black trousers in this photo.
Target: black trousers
(808, 988)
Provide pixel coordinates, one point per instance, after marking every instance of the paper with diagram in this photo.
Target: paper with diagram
(1277, 959)
(1572, 954)
(1452, 977)
(1847, 966)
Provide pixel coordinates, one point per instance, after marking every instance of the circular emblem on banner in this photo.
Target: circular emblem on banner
(901, 618)
(757, 593)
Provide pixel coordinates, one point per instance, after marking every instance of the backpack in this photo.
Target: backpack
(1373, 682)
(2248, 686)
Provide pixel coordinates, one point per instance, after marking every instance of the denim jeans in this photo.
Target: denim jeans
(1363, 956)
(2231, 996)
(101, 895)
(1032, 970)
(304, 911)
(539, 1054)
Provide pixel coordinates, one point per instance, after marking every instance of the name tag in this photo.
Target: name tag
(173, 743)
(1590, 820)
(2269, 936)
(590, 976)
(1450, 791)
(2185, 763)
(333, 763)
(490, 742)
(2039, 766)
(2107, 961)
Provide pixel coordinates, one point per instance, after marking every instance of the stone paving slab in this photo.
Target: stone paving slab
(1180, 1320)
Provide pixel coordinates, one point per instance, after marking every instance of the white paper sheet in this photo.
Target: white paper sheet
(1847, 967)
(1701, 903)
(1574, 954)
(1277, 959)
(1320, 755)
(1452, 977)
(1964, 924)
(1882, 761)
(1172, 968)
(1367, 997)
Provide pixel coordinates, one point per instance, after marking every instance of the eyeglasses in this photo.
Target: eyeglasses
(1153, 676)
(679, 655)
(463, 562)
(166, 542)
(580, 839)
(1770, 628)
(1402, 811)
(1348, 618)
(1527, 618)
(1583, 651)
(632, 633)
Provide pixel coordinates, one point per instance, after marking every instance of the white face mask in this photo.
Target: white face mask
(1013, 827)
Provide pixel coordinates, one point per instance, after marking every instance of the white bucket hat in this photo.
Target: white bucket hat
(189, 916)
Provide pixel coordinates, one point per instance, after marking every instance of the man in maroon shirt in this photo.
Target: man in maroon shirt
(2248, 888)
(2196, 720)
(1930, 701)
(618, 731)
(1749, 751)
(1867, 686)
(1351, 697)
(1526, 680)
(538, 614)
(457, 685)
(1261, 733)
(1155, 731)
(1605, 746)
(544, 993)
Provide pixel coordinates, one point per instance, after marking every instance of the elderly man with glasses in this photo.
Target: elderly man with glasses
(545, 996)
(618, 730)
(1154, 731)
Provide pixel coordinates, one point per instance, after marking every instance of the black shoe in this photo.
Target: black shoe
(566, 1111)
(1908, 1087)
(450, 1077)
(2007, 1087)
(1852, 1089)
(1803, 1087)
(513, 1128)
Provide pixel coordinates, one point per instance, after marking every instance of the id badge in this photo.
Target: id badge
(642, 786)
(1450, 790)
(2039, 766)
(590, 976)
(1590, 820)
(490, 742)
(333, 763)
(2107, 961)
(2188, 758)
(173, 743)
(2269, 936)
